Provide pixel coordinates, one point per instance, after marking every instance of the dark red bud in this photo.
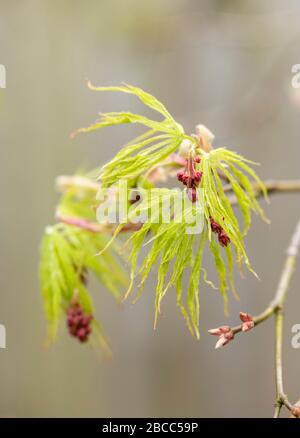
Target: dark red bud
(198, 176)
(78, 322)
(85, 320)
(180, 175)
(215, 227)
(224, 240)
(82, 335)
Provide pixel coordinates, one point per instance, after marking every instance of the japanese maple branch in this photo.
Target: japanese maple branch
(226, 334)
(272, 186)
(280, 297)
(157, 173)
(93, 227)
(64, 183)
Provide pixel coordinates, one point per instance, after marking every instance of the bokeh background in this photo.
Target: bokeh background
(226, 64)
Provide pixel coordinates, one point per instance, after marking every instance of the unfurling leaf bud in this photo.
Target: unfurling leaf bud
(247, 321)
(296, 411)
(185, 148)
(205, 137)
(225, 335)
(224, 340)
(220, 330)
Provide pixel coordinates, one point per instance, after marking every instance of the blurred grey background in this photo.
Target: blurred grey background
(226, 64)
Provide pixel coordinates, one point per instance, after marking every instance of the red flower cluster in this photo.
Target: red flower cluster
(79, 323)
(190, 177)
(223, 238)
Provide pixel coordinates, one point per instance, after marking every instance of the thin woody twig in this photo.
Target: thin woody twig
(156, 173)
(64, 183)
(226, 334)
(81, 223)
(272, 186)
(281, 397)
(94, 227)
(280, 297)
(282, 290)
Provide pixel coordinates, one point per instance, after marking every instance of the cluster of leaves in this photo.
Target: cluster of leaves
(160, 140)
(172, 247)
(178, 245)
(67, 255)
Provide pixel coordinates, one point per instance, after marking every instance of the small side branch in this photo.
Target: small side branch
(281, 397)
(81, 223)
(282, 290)
(94, 227)
(66, 182)
(272, 186)
(292, 253)
(227, 334)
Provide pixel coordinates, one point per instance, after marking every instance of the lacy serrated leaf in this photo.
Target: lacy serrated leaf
(145, 97)
(171, 247)
(221, 271)
(193, 290)
(217, 204)
(145, 151)
(65, 252)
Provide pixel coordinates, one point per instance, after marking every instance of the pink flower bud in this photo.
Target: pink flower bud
(296, 411)
(220, 330)
(247, 321)
(225, 335)
(224, 339)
